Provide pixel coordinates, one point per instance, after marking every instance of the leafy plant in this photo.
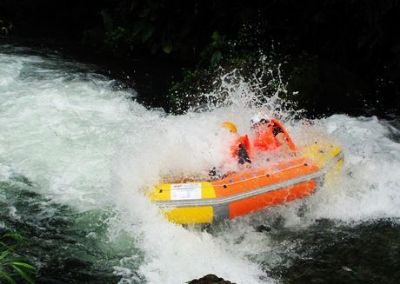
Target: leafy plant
(13, 267)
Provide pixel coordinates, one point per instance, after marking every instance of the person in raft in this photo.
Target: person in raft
(241, 146)
(267, 134)
(240, 149)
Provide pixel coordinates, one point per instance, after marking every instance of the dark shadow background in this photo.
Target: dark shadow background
(343, 55)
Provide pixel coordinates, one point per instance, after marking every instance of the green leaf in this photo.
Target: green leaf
(23, 274)
(23, 264)
(4, 254)
(215, 36)
(13, 235)
(216, 58)
(4, 275)
(167, 48)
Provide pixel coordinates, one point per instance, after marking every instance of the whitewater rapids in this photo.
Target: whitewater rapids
(84, 143)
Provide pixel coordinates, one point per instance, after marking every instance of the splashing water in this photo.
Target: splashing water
(80, 142)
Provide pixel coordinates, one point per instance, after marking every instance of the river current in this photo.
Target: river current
(77, 153)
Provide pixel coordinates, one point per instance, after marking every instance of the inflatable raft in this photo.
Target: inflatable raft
(250, 190)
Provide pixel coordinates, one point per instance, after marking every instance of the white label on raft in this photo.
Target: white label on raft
(184, 191)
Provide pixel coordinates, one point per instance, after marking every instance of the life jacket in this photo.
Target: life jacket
(264, 138)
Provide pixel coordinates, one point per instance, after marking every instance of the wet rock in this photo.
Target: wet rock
(210, 279)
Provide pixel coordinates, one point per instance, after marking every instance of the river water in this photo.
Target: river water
(77, 154)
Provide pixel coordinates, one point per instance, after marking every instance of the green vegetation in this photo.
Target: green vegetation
(211, 38)
(337, 56)
(13, 269)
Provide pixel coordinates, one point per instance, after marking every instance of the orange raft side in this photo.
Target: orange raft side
(250, 189)
(250, 180)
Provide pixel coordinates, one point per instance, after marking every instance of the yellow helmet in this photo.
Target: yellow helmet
(230, 126)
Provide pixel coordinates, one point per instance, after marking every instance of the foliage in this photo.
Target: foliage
(159, 27)
(190, 31)
(13, 268)
(358, 38)
(210, 34)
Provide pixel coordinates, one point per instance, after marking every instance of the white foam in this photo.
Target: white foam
(187, 145)
(371, 178)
